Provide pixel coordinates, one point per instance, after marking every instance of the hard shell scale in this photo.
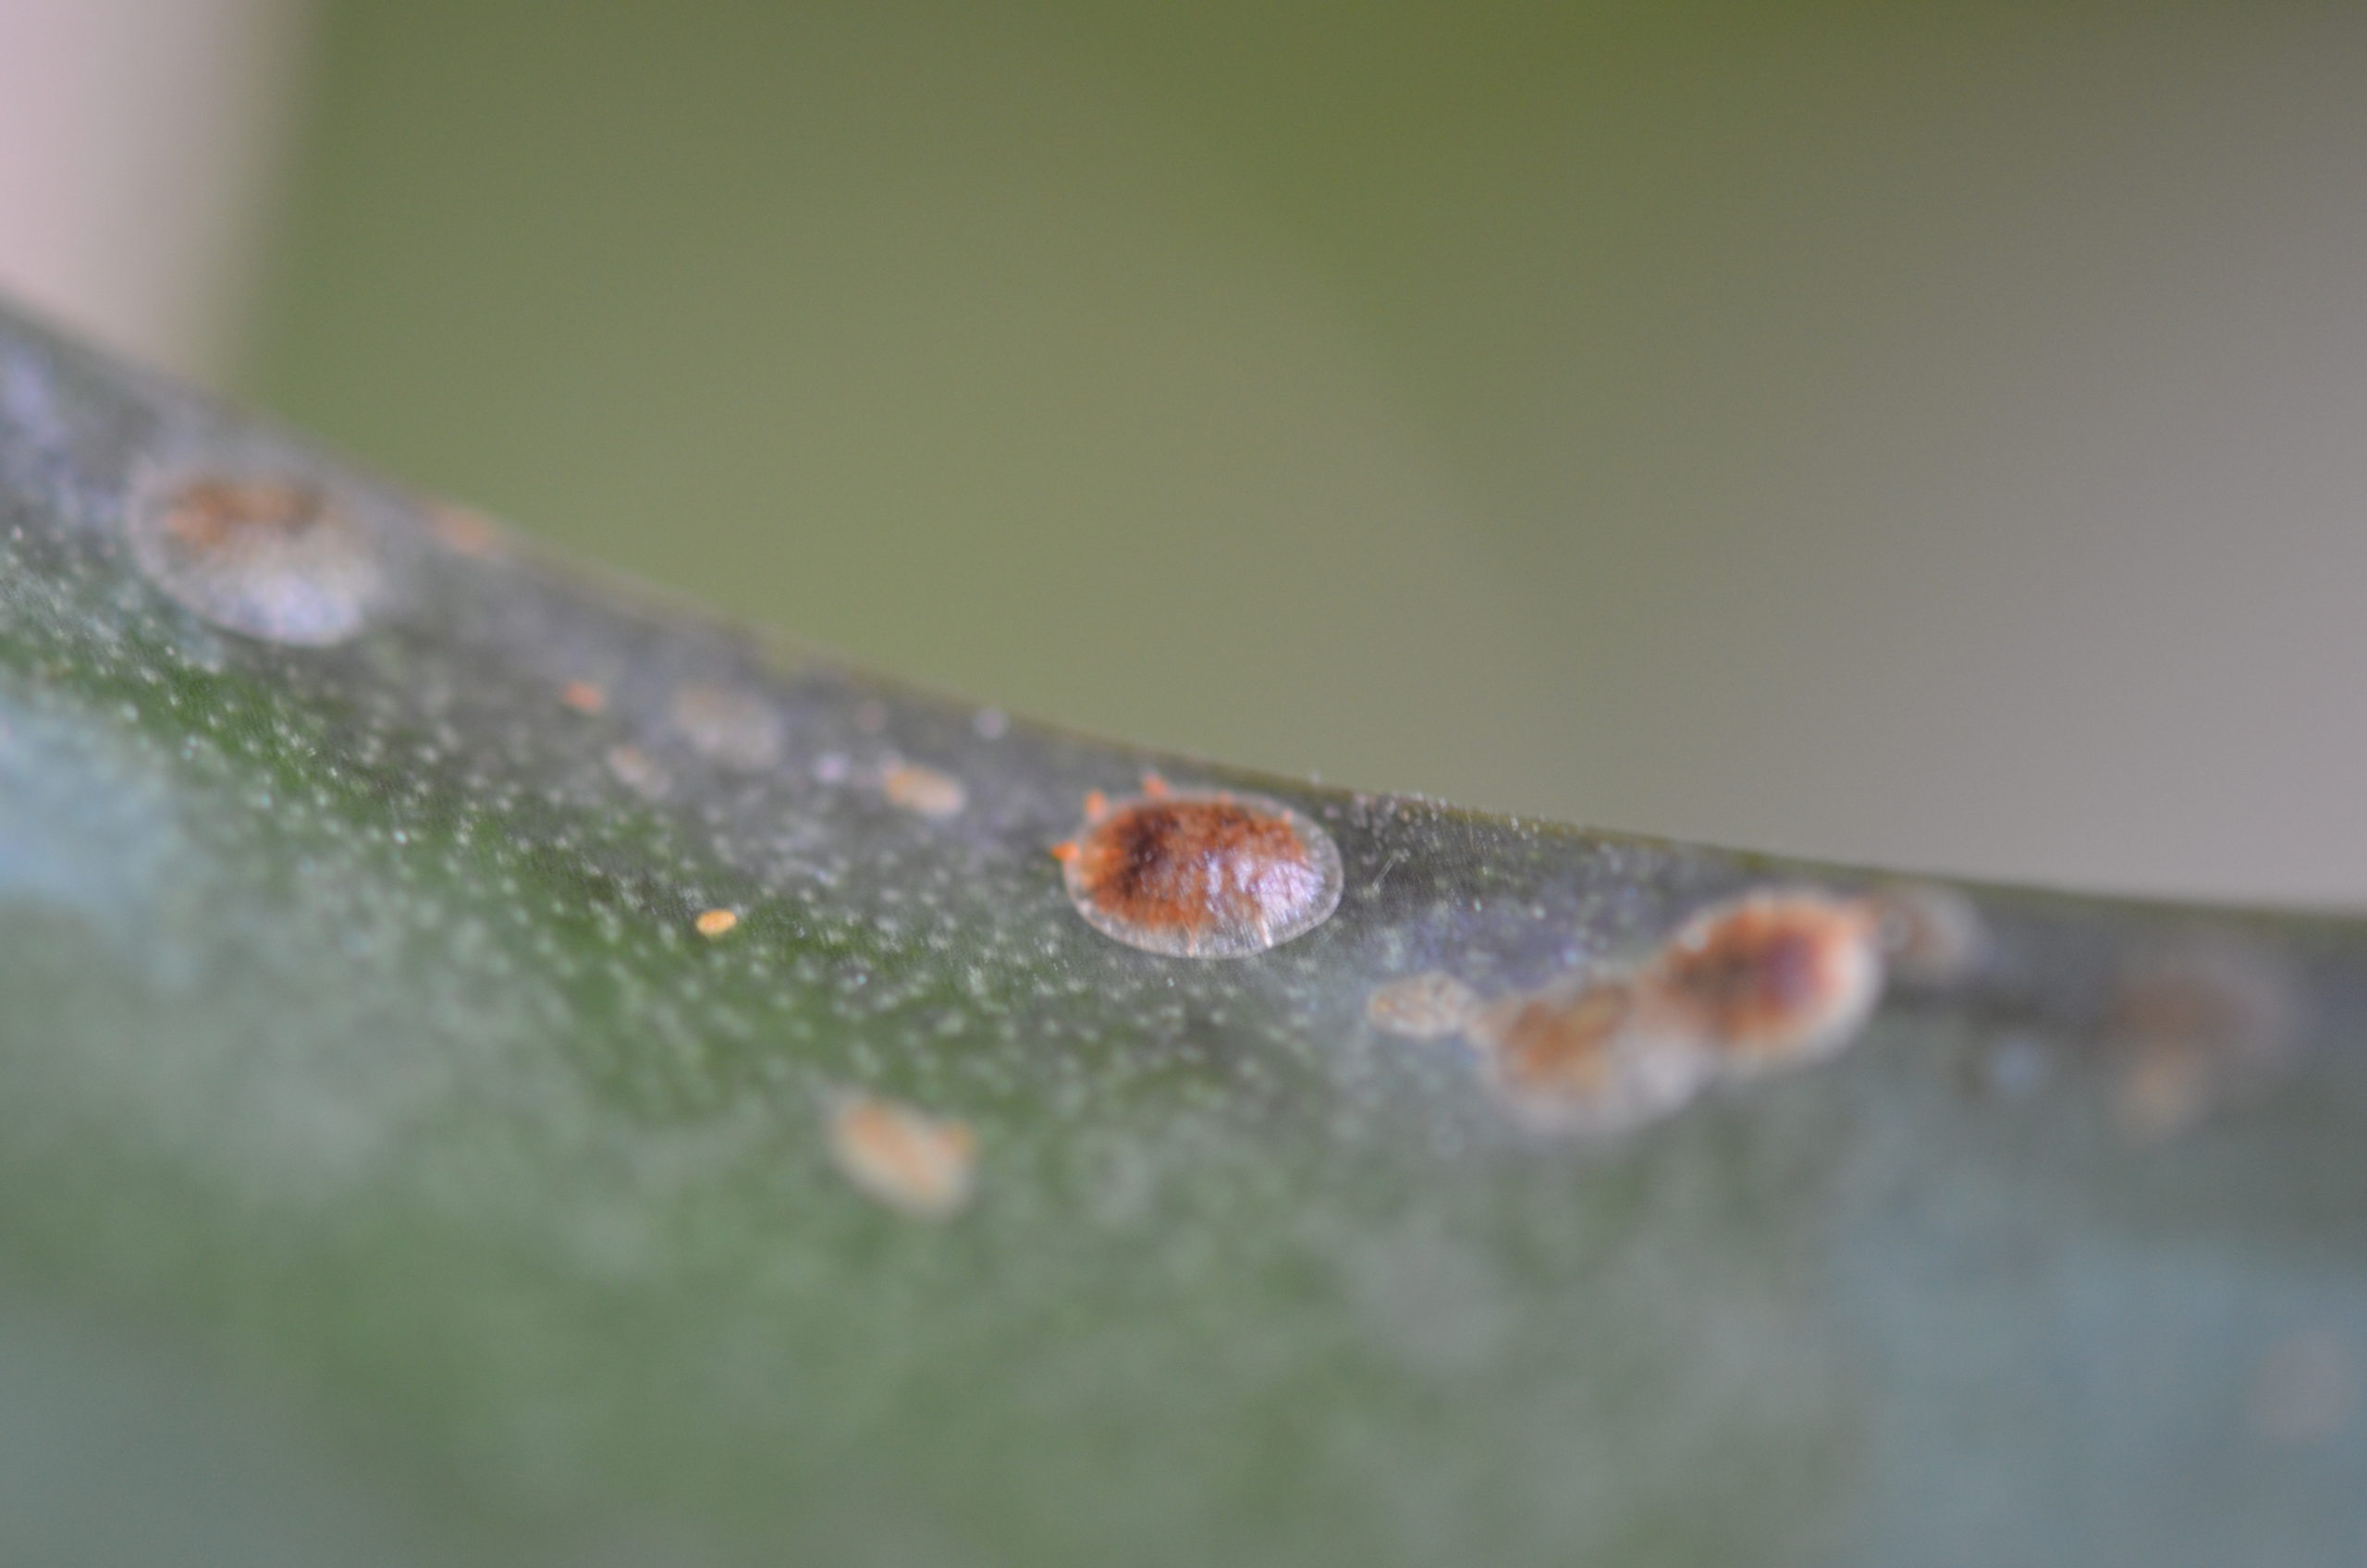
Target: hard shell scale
(1200, 875)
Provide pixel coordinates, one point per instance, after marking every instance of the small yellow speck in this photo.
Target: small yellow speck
(584, 697)
(919, 1164)
(715, 922)
(924, 790)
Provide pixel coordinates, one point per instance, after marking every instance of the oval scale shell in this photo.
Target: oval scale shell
(261, 553)
(1191, 874)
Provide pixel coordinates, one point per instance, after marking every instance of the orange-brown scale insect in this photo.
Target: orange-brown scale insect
(715, 922)
(464, 531)
(584, 697)
(916, 1164)
(2193, 1024)
(1769, 979)
(923, 791)
(1193, 874)
(265, 555)
(1587, 1058)
(214, 513)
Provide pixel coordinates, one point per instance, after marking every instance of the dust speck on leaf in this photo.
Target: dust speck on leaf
(264, 554)
(923, 791)
(1429, 1006)
(1200, 875)
(919, 1164)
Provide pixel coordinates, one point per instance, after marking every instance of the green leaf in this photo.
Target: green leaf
(395, 1171)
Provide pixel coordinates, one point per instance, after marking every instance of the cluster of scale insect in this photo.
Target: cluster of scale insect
(1207, 874)
(1773, 979)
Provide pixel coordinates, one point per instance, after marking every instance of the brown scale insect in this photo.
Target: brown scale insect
(1587, 1058)
(1194, 874)
(584, 697)
(925, 791)
(1769, 979)
(265, 555)
(919, 1164)
(464, 531)
(1766, 980)
(2195, 1023)
(213, 512)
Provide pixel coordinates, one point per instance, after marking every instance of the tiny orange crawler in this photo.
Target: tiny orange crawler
(1199, 874)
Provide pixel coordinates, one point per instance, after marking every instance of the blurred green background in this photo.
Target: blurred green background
(1933, 435)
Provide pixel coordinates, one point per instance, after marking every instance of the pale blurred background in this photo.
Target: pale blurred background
(1926, 435)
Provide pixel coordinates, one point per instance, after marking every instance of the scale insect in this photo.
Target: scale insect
(1193, 874)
